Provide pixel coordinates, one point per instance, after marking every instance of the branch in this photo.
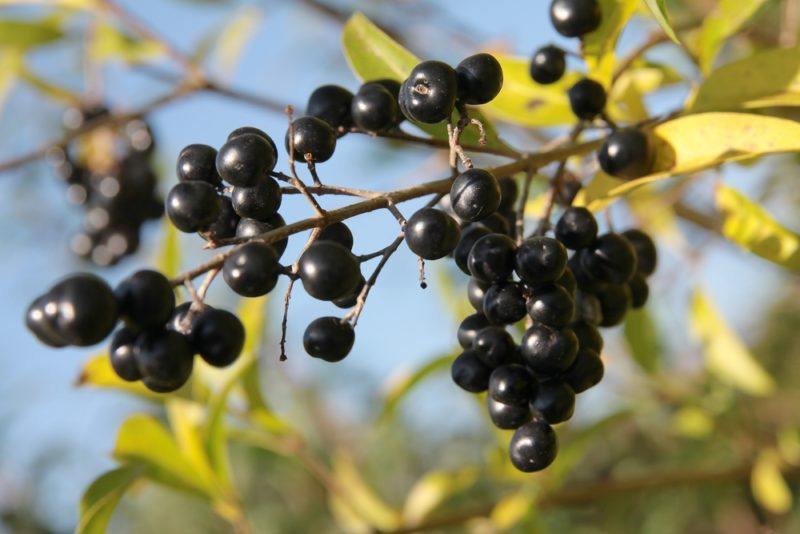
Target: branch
(400, 135)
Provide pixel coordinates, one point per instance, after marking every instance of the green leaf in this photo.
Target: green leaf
(659, 11)
(748, 225)
(187, 419)
(430, 491)
(111, 43)
(512, 508)
(599, 46)
(725, 20)
(643, 340)
(403, 382)
(97, 372)
(22, 35)
(359, 496)
(373, 55)
(769, 488)
(234, 36)
(101, 498)
(726, 356)
(765, 79)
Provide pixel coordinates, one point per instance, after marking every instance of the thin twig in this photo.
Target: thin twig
(523, 201)
(386, 253)
(555, 185)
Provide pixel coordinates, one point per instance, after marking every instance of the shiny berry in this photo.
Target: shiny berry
(469, 235)
(331, 103)
(192, 206)
(313, 137)
(587, 99)
(533, 447)
(494, 346)
(224, 226)
(480, 78)
(244, 159)
(470, 373)
(329, 338)
(181, 321)
(475, 194)
(41, 319)
(198, 162)
(218, 336)
(504, 303)
(507, 416)
(165, 359)
(555, 401)
(252, 228)
(552, 305)
(639, 291)
(512, 384)
(497, 223)
(252, 269)
(145, 299)
(328, 270)
(374, 108)
(625, 154)
(575, 18)
(585, 280)
(255, 131)
(432, 234)
(646, 253)
(588, 336)
(350, 299)
(429, 94)
(576, 228)
(615, 301)
(475, 292)
(492, 258)
(588, 308)
(86, 309)
(548, 65)
(540, 260)
(122, 354)
(469, 328)
(509, 191)
(567, 281)
(548, 350)
(586, 372)
(337, 232)
(611, 259)
(259, 201)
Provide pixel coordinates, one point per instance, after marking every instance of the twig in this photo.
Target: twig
(385, 254)
(292, 273)
(555, 185)
(400, 135)
(523, 201)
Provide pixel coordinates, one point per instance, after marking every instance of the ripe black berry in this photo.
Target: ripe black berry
(548, 65)
(86, 309)
(198, 162)
(507, 416)
(555, 401)
(611, 259)
(585, 280)
(475, 292)
(432, 234)
(313, 137)
(350, 299)
(575, 18)
(165, 359)
(639, 291)
(328, 270)
(244, 159)
(646, 254)
(494, 346)
(192, 206)
(145, 299)
(218, 336)
(331, 103)
(252, 228)
(259, 201)
(588, 308)
(586, 372)
(587, 99)
(497, 223)
(480, 78)
(509, 190)
(567, 281)
(255, 131)
(470, 373)
(576, 228)
(429, 93)
(615, 301)
(42, 320)
(512, 384)
(504, 303)
(469, 328)
(540, 260)
(337, 232)
(178, 321)
(533, 446)
(625, 154)
(588, 336)
(492, 258)
(548, 350)
(374, 108)
(475, 194)
(469, 235)
(252, 269)
(552, 305)
(224, 226)
(123, 355)
(329, 338)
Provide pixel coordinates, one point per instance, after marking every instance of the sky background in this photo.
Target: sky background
(55, 438)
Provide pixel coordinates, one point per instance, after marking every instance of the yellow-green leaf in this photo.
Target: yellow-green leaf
(169, 257)
(233, 38)
(430, 491)
(769, 487)
(11, 64)
(373, 55)
(111, 43)
(22, 35)
(359, 496)
(693, 422)
(97, 372)
(726, 356)
(643, 340)
(512, 509)
(101, 498)
(727, 17)
(659, 11)
(748, 225)
(764, 79)
(70, 4)
(187, 419)
(401, 383)
(599, 46)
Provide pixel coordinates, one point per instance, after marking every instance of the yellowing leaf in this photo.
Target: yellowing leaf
(97, 372)
(748, 225)
(598, 46)
(400, 384)
(234, 36)
(659, 11)
(432, 490)
(643, 340)
(726, 356)
(186, 418)
(725, 20)
(169, 258)
(101, 498)
(70, 4)
(512, 509)
(109, 43)
(11, 64)
(22, 35)
(360, 496)
(769, 487)
(626, 96)
(693, 422)
(764, 79)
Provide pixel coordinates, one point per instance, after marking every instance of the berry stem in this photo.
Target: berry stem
(385, 254)
(556, 182)
(523, 201)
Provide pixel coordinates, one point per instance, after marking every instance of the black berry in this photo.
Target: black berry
(329, 338)
(475, 194)
(429, 94)
(540, 260)
(259, 201)
(123, 354)
(576, 228)
(252, 228)
(507, 416)
(615, 301)
(198, 162)
(555, 401)
(470, 373)
(328, 270)
(331, 103)
(475, 292)
(255, 131)
(469, 328)
(350, 299)
(575, 18)
(252, 269)
(313, 137)
(625, 154)
(639, 291)
(611, 259)
(41, 319)
(512, 384)
(192, 206)
(567, 281)
(337, 232)
(480, 78)
(374, 108)
(432, 234)
(492, 258)
(587, 99)
(469, 235)
(588, 308)
(588, 336)
(244, 159)
(552, 305)
(145, 299)
(646, 254)
(494, 346)
(533, 446)
(586, 372)
(218, 336)
(165, 359)
(509, 191)
(224, 226)
(548, 65)
(504, 303)
(86, 311)
(548, 350)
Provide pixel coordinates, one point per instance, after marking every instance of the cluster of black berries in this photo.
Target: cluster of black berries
(157, 341)
(110, 174)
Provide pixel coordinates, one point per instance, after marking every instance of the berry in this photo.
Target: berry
(625, 154)
(497, 224)
(611, 259)
(555, 401)
(374, 108)
(575, 18)
(540, 260)
(255, 131)
(252, 269)
(533, 446)
(178, 320)
(586, 372)
(432, 234)
(507, 416)
(552, 305)
(494, 346)
(259, 201)
(198, 162)
(548, 65)
(225, 224)
(576, 228)
(567, 281)
(475, 292)
(429, 93)
(393, 86)
(192, 206)
(313, 137)
(42, 320)
(218, 336)
(331, 103)
(252, 228)
(585, 280)
(615, 301)
(509, 191)
(244, 159)
(646, 254)
(145, 299)
(548, 350)
(337, 232)
(475, 194)
(86, 311)
(587, 99)
(480, 78)
(492, 258)
(165, 359)
(469, 235)
(639, 291)
(504, 303)
(588, 308)
(329, 338)
(470, 373)
(469, 328)
(349, 300)
(123, 354)
(588, 336)
(328, 270)
(512, 384)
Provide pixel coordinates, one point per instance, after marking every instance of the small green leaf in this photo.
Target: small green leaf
(102, 496)
(726, 356)
(599, 46)
(359, 496)
(401, 383)
(748, 225)
(97, 372)
(725, 20)
(769, 488)
(659, 11)
(22, 35)
(430, 491)
(111, 43)
(643, 340)
(187, 418)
